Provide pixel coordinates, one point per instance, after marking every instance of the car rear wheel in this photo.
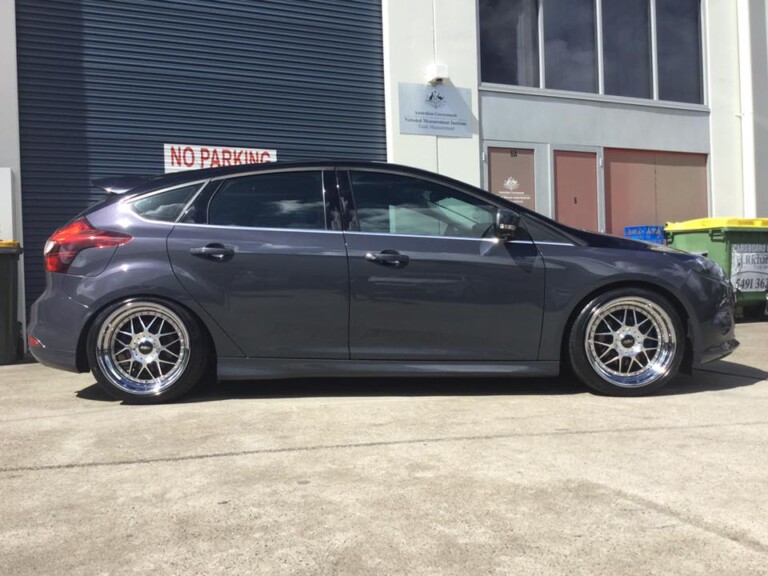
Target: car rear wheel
(147, 351)
(627, 342)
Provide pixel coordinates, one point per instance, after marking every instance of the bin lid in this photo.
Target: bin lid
(9, 244)
(710, 223)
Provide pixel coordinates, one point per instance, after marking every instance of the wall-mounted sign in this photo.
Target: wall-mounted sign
(438, 110)
(187, 157)
(749, 267)
(512, 175)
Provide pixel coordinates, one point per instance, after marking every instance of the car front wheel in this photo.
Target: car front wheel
(147, 351)
(627, 342)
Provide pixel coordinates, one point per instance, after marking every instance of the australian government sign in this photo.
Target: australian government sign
(438, 110)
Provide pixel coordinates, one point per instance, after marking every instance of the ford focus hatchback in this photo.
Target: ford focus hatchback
(360, 269)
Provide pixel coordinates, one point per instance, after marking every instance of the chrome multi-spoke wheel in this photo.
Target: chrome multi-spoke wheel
(630, 342)
(144, 349)
(626, 340)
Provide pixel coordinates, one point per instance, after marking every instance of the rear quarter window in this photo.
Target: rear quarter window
(165, 206)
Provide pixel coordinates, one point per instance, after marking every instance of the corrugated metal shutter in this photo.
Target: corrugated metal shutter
(103, 84)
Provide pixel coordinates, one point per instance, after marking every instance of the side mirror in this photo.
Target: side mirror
(507, 222)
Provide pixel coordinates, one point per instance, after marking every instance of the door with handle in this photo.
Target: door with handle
(274, 279)
(388, 258)
(428, 279)
(576, 189)
(216, 252)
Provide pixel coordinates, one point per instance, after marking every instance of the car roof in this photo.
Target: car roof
(138, 184)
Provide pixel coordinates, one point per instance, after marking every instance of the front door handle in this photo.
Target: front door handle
(388, 257)
(216, 252)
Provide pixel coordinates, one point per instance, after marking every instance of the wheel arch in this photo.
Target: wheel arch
(678, 305)
(81, 356)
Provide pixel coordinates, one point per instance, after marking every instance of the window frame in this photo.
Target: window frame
(328, 191)
(352, 224)
(601, 96)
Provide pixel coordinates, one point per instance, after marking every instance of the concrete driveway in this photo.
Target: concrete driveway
(389, 477)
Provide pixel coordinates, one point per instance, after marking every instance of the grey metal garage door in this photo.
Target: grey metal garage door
(104, 84)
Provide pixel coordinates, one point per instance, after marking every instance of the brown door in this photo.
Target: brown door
(576, 189)
(512, 175)
(644, 188)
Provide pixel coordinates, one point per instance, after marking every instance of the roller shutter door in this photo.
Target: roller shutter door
(103, 84)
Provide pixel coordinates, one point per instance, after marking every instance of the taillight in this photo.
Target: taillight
(66, 243)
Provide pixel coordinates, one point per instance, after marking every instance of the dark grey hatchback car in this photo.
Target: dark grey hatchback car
(360, 269)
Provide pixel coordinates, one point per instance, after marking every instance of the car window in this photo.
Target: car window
(397, 204)
(165, 206)
(277, 200)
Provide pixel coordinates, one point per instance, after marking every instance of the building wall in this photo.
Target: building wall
(445, 31)
(759, 51)
(416, 35)
(724, 99)
(10, 154)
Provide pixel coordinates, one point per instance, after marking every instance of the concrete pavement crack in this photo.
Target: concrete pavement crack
(354, 445)
(737, 536)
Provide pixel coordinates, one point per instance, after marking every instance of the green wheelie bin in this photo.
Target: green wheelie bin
(10, 333)
(739, 246)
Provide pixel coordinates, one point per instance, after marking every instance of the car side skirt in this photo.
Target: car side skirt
(271, 368)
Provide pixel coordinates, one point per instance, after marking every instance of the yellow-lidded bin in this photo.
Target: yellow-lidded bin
(738, 245)
(10, 329)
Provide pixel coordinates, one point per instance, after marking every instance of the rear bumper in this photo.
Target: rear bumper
(59, 359)
(56, 322)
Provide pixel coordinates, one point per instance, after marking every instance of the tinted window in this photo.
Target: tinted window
(165, 206)
(394, 204)
(627, 48)
(509, 42)
(678, 32)
(284, 200)
(569, 45)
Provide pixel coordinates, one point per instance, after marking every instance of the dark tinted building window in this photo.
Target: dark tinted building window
(283, 200)
(627, 48)
(509, 42)
(395, 204)
(165, 206)
(678, 36)
(570, 55)
(511, 49)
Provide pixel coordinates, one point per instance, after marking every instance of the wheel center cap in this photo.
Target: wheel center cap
(628, 341)
(146, 348)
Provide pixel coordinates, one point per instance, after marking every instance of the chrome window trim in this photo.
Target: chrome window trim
(306, 168)
(223, 227)
(434, 237)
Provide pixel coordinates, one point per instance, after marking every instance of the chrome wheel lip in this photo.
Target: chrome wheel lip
(162, 347)
(647, 340)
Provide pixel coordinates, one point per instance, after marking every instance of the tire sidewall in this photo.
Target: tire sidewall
(195, 370)
(577, 354)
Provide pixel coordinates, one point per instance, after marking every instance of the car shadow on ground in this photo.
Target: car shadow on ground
(716, 376)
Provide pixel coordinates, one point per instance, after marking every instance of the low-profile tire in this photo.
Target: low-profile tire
(627, 342)
(147, 351)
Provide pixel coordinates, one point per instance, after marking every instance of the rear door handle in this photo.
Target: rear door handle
(388, 257)
(216, 252)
